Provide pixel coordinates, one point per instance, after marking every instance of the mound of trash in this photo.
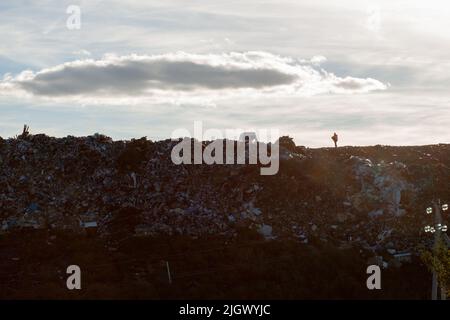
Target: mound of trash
(368, 197)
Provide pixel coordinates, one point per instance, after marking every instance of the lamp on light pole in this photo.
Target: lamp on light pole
(436, 229)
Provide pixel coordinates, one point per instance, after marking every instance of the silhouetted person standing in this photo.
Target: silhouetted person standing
(335, 139)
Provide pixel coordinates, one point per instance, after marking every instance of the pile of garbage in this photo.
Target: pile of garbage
(368, 197)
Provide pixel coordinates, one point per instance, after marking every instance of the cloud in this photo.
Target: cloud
(182, 76)
(82, 52)
(318, 60)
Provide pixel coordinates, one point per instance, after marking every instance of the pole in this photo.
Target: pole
(434, 286)
(442, 237)
(437, 233)
(168, 272)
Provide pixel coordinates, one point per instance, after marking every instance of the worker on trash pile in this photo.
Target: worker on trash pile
(335, 139)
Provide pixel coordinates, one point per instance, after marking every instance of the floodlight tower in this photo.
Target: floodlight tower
(437, 229)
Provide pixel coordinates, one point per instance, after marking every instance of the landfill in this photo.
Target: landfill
(368, 197)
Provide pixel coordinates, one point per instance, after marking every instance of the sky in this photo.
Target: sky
(375, 72)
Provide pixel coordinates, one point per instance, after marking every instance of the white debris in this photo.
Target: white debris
(376, 213)
(266, 231)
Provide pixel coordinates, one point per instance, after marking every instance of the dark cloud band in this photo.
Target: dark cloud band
(144, 76)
